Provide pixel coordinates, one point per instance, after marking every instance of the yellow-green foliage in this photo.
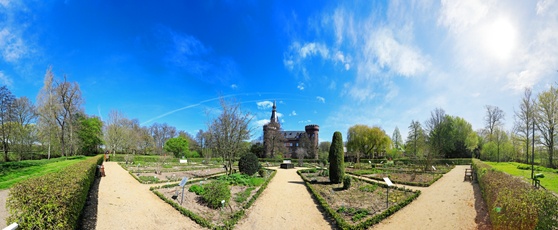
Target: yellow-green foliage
(54, 200)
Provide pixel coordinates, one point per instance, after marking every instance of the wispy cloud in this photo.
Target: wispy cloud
(300, 86)
(307, 121)
(264, 104)
(262, 122)
(11, 46)
(5, 80)
(320, 99)
(233, 86)
(292, 113)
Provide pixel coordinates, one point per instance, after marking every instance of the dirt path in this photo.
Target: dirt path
(123, 203)
(450, 203)
(285, 204)
(3, 212)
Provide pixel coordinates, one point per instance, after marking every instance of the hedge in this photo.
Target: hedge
(450, 161)
(155, 158)
(229, 224)
(427, 184)
(514, 203)
(342, 224)
(131, 168)
(54, 200)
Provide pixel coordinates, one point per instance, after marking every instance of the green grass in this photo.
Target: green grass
(550, 180)
(13, 172)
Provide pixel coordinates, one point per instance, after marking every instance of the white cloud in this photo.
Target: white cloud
(5, 80)
(282, 121)
(332, 85)
(262, 122)
(458, 15)
(320, 99)
(279, 114)
(307, 121)
(545, 6)
(11, 46)
(5, 3)
(234, 86)
(292, 114)
(347, 66)
(300, 86)
(264, 104)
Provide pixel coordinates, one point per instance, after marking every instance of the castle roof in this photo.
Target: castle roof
(291, 134)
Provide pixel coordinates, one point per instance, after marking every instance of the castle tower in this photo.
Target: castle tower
(313, 133)
(274, 114)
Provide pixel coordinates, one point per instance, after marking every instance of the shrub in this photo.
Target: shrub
(324, 162)
(215, 192)
(197, 189)
(309, 171)
(54, 200)
(347, 182)
(263, 173)
(336, 161)
(248, 164)
(324, 173)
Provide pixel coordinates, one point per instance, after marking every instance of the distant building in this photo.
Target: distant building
(292, 137)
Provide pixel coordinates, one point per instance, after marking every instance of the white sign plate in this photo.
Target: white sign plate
(388, 182)
(183, 161)
(370, 162)
(433, 168)
(183, 181)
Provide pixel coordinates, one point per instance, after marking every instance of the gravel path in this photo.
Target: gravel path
(285, 204)
(123, 203)
(3, 212)
(449, 203)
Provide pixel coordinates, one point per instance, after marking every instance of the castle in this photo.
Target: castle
(292, 137)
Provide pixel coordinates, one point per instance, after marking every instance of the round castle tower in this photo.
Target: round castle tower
(313, 133)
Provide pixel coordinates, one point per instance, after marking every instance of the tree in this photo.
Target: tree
(300, 154)
(324, 146)
(336, 161)
(274, 140)
(396, 139)
(499, 137)
(115, 130)
(257, 149)
(229, 130)
(249, 164)
(440, 132)
(547, 119)
(524, 119)
(46, 106)
(177, 146)
(493, 118)
(365, 139)
(24, 115)
(90, 134)
(414, 137)
(6, 116)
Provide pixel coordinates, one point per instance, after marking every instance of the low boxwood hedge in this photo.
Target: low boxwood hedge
(342, 224)
(513, 203)
(54, 200)
(229, 224)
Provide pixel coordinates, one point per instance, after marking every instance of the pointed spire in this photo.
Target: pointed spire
(274, 114)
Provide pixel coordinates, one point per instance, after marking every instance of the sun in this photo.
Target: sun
(500, 38)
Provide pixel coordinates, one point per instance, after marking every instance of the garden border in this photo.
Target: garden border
(166, 181)
(204, 222)
(404, 182)
(341, 223)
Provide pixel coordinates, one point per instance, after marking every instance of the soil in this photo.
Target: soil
(407, 177)
(178, 175)
(123, 203)
(196, 204)
(3, 211)
(286, 203)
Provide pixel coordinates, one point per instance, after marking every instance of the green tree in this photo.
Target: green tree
(6, 115)
(90, 134)
(547, 119)
(396, 139)
(177, 146)
(524, 119)
(248, 164)
(336, 161)
(365, 139)
(415, 138)
(441, 132)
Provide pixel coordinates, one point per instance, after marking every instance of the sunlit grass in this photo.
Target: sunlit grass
(13, 172)
(550, 180)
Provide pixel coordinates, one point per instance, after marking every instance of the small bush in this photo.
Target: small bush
(248, 164)
(324, 173)
(197, 189)
(347, 182)
(309, 171)
(215, 192)
(263, 173)
(342, 210)
(242, 196)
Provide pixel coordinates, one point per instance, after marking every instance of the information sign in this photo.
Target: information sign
(183, 181)
(433, 168)
(388, 181)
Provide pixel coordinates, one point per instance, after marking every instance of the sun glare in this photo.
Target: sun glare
(500, 38)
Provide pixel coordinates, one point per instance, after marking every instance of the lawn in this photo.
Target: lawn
(550, 180)
(12, 172)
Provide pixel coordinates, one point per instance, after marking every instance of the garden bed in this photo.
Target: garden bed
(195, 205)
(151, 177)
(363, 204)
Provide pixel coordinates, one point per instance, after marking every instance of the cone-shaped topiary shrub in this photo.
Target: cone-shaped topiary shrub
(248, 164)
(336, 161)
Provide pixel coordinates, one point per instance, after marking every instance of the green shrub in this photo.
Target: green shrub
(342, 209)
(324, 173)
(242, 196)
(263, 173)
(199, 190)
(347, 182)
(54, 200)
(248, 164)
(324, 162)
(152, 179)
(215, 192)
(309, 171)
(360, 214)
(336, 161)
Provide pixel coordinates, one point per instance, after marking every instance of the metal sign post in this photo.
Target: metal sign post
(388, 182)
(181, 184)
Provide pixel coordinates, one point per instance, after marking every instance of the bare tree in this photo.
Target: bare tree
(6, 116)
(229, 130)
(547, 118)
(274, 140)
(24, 113)
(115, 130)
(493, 118)
(524, 119)
(499, 137)
(300, 154)
(46, 106)
(161, 134)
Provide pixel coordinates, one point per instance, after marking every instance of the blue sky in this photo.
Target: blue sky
(331, 63)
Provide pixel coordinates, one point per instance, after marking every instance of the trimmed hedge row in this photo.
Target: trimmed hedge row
(450, 161)
(342, 224)
(513, 203)
(131, 168)
(229, 224)
(178, 179)
(154, 158)
(54, 200)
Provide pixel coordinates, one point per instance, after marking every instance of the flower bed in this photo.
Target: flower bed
(361, 205)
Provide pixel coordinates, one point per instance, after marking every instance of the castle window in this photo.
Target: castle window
(297, 144)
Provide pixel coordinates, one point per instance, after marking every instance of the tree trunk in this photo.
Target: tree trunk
(5, 145)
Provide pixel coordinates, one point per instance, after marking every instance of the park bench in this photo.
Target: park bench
(468, 174)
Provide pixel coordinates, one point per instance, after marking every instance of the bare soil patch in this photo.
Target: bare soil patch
(3, 212)
(406, 177)
(179, 174)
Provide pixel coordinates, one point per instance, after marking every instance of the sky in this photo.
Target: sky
(331, 63)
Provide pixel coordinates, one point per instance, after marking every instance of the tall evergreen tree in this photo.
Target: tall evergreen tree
(336, 159)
